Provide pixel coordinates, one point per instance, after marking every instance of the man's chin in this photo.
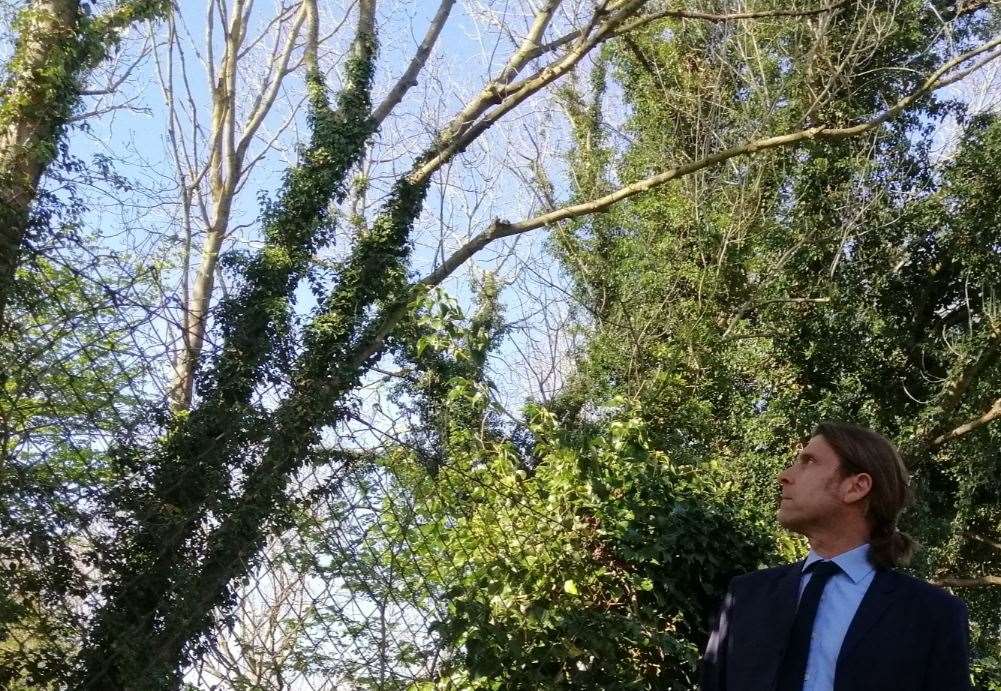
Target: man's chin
(786, 519)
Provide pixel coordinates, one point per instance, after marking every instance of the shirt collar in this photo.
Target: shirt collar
(855, 562)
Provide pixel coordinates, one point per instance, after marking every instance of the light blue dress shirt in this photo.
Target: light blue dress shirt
(842, 596)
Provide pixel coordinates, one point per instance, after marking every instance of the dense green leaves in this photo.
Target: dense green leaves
(847, 281)
(732, 313)
(70, 360)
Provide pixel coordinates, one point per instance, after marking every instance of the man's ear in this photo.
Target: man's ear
(859, 487)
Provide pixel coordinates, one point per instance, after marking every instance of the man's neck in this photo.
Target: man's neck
(830, 546)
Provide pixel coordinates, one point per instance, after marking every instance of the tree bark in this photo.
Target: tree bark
(56, 46)
(36, 101)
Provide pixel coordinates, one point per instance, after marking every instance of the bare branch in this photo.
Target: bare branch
(113, 86)
(522, 55)
(312, 36)
(733, 16)
(984, 540)
(975, 582)
(264, 102)
(474, 119)
(409, 77)
(501, 229)
(685, 14)
(990, 415)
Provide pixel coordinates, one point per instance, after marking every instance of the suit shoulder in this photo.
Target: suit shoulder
(929, 595)
(756, 578)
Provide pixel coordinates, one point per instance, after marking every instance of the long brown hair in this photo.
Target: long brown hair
(861, 450)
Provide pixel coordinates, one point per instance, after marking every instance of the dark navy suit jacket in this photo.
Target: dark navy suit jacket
(907, 635)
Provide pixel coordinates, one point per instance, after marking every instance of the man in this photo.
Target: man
(843, 619)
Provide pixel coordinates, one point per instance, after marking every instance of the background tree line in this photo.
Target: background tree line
(296, 464)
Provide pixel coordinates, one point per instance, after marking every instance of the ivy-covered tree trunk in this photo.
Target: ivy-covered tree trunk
(192, 534)
(57, 43)
(36, 100)
(170, 576)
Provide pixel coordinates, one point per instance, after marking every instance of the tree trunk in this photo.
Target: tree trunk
(56, 45)
(36, 101)
(228, 142)
(143, 634)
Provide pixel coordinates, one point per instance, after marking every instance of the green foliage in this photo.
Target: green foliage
(731, 314)
(851, 280)
(562, 558)
(588, 547)
(66, 393)
(587, 565)
(52, 85)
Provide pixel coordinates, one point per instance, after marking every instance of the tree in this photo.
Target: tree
(847, 280)
(72, 362)
(57, 43)
(690, 324)
(212, 168)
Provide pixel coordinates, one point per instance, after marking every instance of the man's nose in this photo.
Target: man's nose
(783, 477)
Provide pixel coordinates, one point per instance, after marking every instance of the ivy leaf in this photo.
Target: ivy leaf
(422, 343)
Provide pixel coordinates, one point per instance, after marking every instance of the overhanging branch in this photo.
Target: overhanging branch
(409, 77)
(499, 229)
(639, 22)
(975, 582)
(991, 414)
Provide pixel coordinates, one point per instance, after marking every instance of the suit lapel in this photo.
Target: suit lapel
(786, 600)
(877, 599)
(775, 623)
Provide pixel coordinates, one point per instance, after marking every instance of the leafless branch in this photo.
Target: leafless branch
(409, 77)
(501, 229)
(645, 19)
(988, 416)
(975, 582)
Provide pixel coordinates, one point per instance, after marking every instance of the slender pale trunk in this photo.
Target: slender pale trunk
(196, 314)
(225, 170)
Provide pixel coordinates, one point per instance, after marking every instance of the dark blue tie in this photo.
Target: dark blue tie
(793, 668)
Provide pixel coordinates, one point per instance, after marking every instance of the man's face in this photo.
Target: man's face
(813, 489)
